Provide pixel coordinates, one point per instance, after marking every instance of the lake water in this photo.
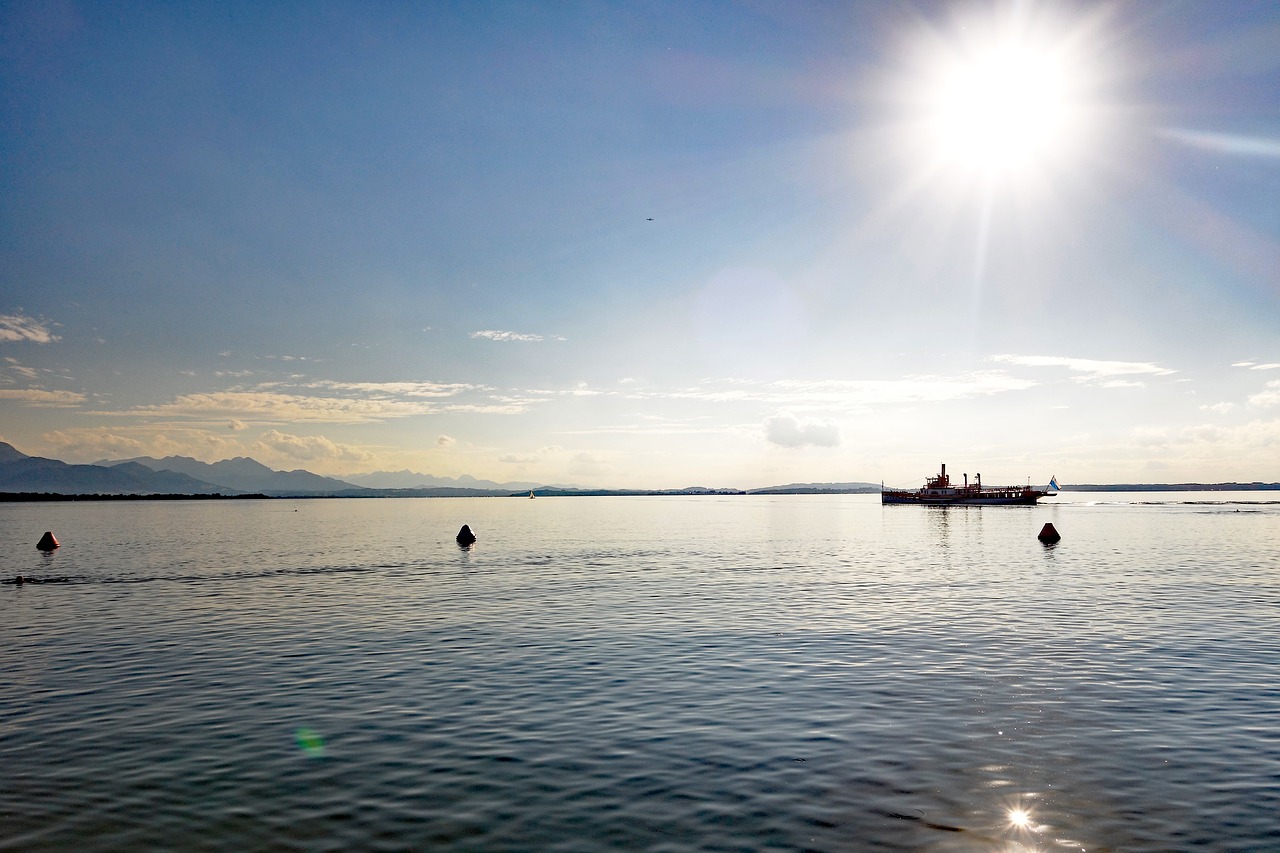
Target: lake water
(649, 673)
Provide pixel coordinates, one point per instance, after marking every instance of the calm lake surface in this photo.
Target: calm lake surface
(650, 673)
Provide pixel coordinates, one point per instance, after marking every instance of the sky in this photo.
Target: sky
(646, 245)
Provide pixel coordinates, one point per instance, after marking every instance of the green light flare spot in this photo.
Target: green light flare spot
(310, 742)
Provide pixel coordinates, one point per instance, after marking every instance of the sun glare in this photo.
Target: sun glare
(1001, 101)
(1001, 111)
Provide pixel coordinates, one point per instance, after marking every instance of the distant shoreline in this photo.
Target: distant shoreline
(1172, 487)
(22, 497)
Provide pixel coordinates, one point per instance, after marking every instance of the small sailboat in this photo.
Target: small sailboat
(531, 494)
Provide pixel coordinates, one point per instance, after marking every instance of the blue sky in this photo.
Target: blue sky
(646, 245)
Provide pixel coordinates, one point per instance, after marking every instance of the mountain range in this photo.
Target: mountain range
(239, 475)
(182, 475)
(407, 479)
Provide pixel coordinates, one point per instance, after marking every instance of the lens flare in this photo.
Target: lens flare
(310, 742)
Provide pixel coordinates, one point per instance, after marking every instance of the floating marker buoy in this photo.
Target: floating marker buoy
(1048, 534)
(465, 536)
(48, 541)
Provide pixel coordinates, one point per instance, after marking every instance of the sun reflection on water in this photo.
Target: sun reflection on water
(1019, 818)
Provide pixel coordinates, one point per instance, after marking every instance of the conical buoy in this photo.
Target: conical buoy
(465, 536)
(48, 541)
(1048, 534)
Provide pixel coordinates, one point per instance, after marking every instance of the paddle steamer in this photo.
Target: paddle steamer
(938, 491)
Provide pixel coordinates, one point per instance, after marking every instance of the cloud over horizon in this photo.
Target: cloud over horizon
(786, 430)
(309, 448)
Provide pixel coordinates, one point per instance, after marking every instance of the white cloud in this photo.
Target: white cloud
(1268, 398)
(1241, 452)
(44, 399)
(786, 430)
(1219, 408)
(494, 335)
(15, 327)
(1092, 370)
(445, 441)
(588, 464)
(95, 444)
(309, 447)
(1269, 366)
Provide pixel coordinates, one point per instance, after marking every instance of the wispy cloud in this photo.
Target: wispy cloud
(844, 394)
(46, 399)
(271, 408)
(530, 458)
(1088, 369)
(1225, 143)
(395, 389)
(16, 327)
(265, 407)
(495, 335)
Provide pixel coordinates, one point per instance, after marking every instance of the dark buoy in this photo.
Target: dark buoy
(48, 541)
(465, 536)
(1048, 534)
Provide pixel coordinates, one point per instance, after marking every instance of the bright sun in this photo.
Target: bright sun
(999, 101)
(1002, 111)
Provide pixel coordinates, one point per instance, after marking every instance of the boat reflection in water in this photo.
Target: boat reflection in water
(938, 491)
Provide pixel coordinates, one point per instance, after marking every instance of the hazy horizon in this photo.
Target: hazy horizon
(620, 245)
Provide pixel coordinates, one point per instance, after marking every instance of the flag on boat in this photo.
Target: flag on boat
(1053, 483)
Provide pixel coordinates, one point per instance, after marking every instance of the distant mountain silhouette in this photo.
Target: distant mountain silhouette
(407, 479)
(813, 488)
(22, 473)
(242, 474)
(9, 453)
